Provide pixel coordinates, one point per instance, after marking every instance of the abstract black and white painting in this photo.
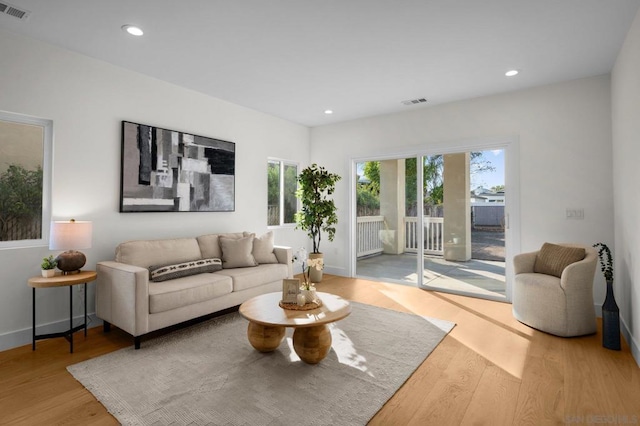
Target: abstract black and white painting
(169, 171)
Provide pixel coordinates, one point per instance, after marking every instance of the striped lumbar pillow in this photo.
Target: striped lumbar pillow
(184, 269)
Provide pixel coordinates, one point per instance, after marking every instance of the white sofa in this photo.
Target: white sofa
(128, 298)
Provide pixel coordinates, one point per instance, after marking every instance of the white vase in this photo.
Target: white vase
(48, 273)
(315, 276)
(309, 295)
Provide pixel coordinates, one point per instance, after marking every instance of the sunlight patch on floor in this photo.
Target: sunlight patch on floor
(485, 336)
(346, 352)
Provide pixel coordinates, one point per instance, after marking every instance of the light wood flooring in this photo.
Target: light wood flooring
(490, 370)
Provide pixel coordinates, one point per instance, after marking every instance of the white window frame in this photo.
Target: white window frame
(283, 163)
(47, 144)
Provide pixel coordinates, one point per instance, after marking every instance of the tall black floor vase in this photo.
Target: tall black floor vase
(610, 320)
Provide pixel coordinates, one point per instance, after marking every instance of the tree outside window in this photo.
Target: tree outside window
(24, 151)
(281, 186)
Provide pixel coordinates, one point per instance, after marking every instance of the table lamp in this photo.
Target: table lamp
(70, 235)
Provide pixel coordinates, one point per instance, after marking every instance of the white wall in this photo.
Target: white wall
(564, 133)
(625, 92)
(87, 99)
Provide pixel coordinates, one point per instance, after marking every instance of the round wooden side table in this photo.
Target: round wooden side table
(82, 277)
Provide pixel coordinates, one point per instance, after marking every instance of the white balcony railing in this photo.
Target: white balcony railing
(370, 235)
(369, 228)
(433, 235)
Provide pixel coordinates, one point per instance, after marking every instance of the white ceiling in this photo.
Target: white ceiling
(296, 58)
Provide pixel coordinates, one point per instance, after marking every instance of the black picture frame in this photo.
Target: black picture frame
(167, 170)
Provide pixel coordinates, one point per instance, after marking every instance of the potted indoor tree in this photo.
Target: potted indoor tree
(318, 212)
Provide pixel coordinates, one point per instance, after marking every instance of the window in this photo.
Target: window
(282, 182)
(25, 170)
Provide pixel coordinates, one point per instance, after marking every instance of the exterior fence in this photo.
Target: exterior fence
(487, 214)
(370, 230)
(17, 229)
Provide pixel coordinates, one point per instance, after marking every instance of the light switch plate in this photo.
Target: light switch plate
(577, 214)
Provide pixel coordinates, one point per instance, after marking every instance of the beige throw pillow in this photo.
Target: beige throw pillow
(553, 258)
(210, 243)
(236, 252)
(263, 248)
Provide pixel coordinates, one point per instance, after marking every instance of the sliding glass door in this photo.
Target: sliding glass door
(380, 222)
(464, 223)
(434, 221)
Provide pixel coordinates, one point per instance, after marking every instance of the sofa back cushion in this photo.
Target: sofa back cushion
(145, 253)
(236, 252)
(210, 244)
(263, 248)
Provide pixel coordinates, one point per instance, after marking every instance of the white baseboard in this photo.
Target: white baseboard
(335, 271)
(23, 337)
(633, 344)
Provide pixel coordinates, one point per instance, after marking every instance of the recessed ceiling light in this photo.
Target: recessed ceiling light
(133, 30)
(511, 73)
(328, 111)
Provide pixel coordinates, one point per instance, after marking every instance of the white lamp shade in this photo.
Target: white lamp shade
(70, 235)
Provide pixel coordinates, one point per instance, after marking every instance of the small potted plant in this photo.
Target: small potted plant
(48, 266)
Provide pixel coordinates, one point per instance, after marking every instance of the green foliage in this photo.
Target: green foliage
(372, 172)
(273, 184)
(289, 195)
(432, 182)
(497, 188)
(48, 262)
(606, 261)
(290, 186)
(318, 210)
(20, 194)
(368, 203)
(432, 175)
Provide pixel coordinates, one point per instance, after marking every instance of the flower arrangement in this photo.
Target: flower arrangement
(48, 263)
(301, 258)
(606, 261)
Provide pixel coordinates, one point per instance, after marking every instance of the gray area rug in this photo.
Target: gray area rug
(208, 374)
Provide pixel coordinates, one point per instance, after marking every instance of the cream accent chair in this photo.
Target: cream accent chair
(560, 306)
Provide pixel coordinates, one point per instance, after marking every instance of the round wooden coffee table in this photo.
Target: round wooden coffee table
(311, 336)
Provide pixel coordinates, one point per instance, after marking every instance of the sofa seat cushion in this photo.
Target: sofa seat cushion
(145, 253)
(179, 292)
(244, 278)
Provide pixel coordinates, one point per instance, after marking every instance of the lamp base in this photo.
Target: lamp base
(71, 261)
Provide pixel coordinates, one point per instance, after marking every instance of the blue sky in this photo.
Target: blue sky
(489, 179)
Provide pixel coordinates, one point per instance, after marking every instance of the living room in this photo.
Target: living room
(575, 139)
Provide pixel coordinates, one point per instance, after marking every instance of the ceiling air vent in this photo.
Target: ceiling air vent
(414, 101)
(11, 10)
